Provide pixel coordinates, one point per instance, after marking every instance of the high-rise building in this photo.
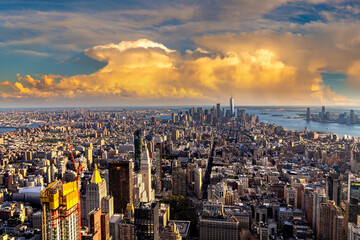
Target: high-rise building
(94, 219)
(338, 226)
(138, 145)
(291, 196)
(319, 198)
(333, 187)
(107, 205)
(126, 226)
(354, 231)
(157, 158)
(241, 113)
(178, 180)
(218, 111)
(89, 156)
(95, 192)
(60, 211)
(331, 222)
(309, 206)
(126, 230)
(114, 226)
(232, 106)
(308, 114)
(353, 188)
(146, 174)
(355, 160)
(121, 183)
(61, 166)
(105, 228)
(175, 135)
(325, 220)
(139, 191)
(198, 182)
(48, 175)
(147, 221)
(353, 117)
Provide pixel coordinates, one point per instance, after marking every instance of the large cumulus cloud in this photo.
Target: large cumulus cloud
(256, 68)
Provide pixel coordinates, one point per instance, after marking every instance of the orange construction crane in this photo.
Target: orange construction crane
(78, 180)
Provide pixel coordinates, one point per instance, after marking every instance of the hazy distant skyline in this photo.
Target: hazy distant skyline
(107, 53)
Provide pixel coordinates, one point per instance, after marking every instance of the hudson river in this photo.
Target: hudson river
(290, 118)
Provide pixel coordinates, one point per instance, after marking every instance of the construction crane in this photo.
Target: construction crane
(78, 180)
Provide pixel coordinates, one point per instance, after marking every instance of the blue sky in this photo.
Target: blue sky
(253, 48)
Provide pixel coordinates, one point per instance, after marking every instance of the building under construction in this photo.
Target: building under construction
(60, 212)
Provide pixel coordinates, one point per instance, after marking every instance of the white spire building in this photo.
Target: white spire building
(146, 174)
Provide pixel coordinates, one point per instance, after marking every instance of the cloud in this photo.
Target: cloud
(251, 67)
(31, 52)
(354, 73)
(73, 31)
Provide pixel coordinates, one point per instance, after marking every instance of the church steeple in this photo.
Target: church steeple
(95, 178)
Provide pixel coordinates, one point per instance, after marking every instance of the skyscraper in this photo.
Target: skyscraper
(333, 187)
(178, 180)
(319, 198)
(355, 160)
(146, 174)
(352, 117)
(157, 158)
(218, 110)
(89, 156)
(354, 231)
(198, 182)
(322, 114)
(60, 212)
(121, 183)
(331, 222)
(95, 192)
(139, 190)
(105, 228)
(137, 149)
(94, 220)
(232, 106)
(308, 114)
(107, 205)
(147, 221)
(353, 188)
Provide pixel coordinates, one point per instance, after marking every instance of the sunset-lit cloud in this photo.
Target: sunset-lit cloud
(144, 69)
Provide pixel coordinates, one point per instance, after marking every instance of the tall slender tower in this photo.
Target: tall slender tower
(89, 156)
(137, 149)
(198, 182)
(157, 156)
(60, 213)
(218, 110)
(146, 174)
(232, 106)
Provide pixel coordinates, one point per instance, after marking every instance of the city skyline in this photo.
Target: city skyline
(196, 173)
(134, 53)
